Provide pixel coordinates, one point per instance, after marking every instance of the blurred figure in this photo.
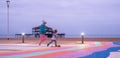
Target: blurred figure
(42, 32)
(53, 39)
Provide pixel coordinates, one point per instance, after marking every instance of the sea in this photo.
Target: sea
(66, 36)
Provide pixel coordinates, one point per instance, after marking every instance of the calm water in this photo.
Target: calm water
(71, 36)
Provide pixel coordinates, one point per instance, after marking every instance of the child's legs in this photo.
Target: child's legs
(42, 38)
(55, 42)
(49, 42)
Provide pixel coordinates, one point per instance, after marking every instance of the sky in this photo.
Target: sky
(93, 17)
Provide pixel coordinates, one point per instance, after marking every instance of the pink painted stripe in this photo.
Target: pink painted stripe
(29, 51)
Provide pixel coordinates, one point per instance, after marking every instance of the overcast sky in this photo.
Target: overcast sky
(94, 17)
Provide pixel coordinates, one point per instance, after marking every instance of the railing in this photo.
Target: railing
(61, 35)
(26, 35)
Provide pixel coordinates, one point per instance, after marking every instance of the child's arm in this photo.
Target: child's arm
(55, 35)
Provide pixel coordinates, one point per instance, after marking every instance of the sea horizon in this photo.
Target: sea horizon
(68, 36)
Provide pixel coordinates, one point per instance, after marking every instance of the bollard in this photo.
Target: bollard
(23, 35)
(82, 36)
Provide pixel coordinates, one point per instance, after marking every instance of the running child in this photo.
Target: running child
(53, 39)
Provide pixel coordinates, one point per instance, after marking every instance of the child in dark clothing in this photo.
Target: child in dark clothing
(53, 39)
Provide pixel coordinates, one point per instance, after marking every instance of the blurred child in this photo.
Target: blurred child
(53, 39)
(42, 32)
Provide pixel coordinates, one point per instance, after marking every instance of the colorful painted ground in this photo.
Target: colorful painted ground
(86, 50)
